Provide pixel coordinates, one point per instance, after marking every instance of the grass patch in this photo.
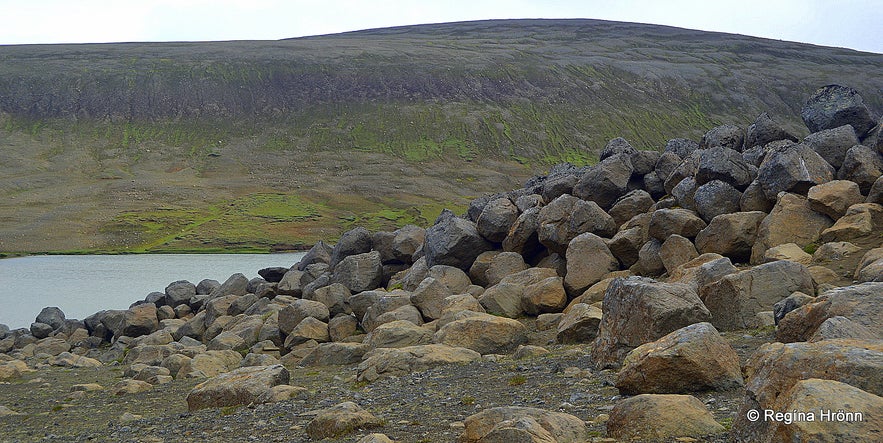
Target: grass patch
(517, 380)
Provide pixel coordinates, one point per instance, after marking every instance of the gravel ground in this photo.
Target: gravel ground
(427, 406)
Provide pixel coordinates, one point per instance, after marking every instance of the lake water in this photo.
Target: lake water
(84, 284)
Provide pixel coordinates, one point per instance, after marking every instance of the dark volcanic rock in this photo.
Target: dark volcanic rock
(681, 147)
(723, 164)
(454, 242)
(715, 198)
(833, 106)
(566, 217)
(726, 136)
(606, 182)
(792, 168)
(617, 146)
(51, 316)
(319, 253)
(352, 242)
(863, 166)
(764, 130)
(832, 144)
(496, 218)
(273, 274)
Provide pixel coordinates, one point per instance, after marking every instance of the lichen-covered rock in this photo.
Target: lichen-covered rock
(861, 303)
(341, 419)
(792, 168)
(833, 106)
(523, 424)
(386, 362)
(455, 242)
(661, 416)
(483, 333)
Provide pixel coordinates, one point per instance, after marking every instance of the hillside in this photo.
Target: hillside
(275, 144)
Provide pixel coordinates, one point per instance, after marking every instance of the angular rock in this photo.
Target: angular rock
(544, 297)
(330, 354)
(665, 222)
(236, 284)
(727, 136)
(792, 168)
(627, 243)
(605, 182)
(715, 198)
(675, 251)
(787, 251)
(862, 165)
(579, 324)
(319, 253)
(308, 329)
(566, 217)
(52, 316)
(687, 168)
(291, 315)
(730, 235)
(833, 143)
(834, 198)
(522, 237)
(342, 326)
(649, 260)
(791, 221)
(496, 218)
(661, 416)
(861, 303)
(588, 261)
(341, 419)
(483, 333)
(398, 334)
(359, 272)
(639, 310)
(386, 362)
(860, 220)
(753, 199)
(693, 358)
(634, 203)
(454, 242)
(523, 424)
(501, 265)
(353, 242)
(503, 299)
(833, 106)
(764, 130)
(681, 147)
(723, 164)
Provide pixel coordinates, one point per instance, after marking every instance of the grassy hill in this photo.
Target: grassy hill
(274, 144)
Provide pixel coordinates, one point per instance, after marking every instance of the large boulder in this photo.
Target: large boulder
(775, 368)
(634, 203)
(723, 164)
(834, 197)
(715, 198)
(496, 218)
(605, 182)
(579, 324)
(675, 251)
(661, 416)
(693, 358)
(251, 384)
(179, 293)
(503, 299)
(52, 316)
(398, 334)
(862, 165)
(588, 261)
(236, 284)
(566, 217)
(430, 296)
(319, 253)
(293, 313)
(726, 136)
(546, 296)
(133, 322)
(638, 310)
(833, 106)
(483, 333)
(390, 362)
(455, 242)
(333, 296)
(341, 419)
(681, 147)
(792, 220)
(355, 241)
(730, 235)
(833, 143)
(665, 222)
(400, 245)
(327, 354)
(359, 272)
(765, 130)
(523, 424)
(735, 300)
(862, 304)
(522, 237)
(860, 220)
(792, 168)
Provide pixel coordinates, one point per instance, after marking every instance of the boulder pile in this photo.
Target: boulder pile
(643, 259)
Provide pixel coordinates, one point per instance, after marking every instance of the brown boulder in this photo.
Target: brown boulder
(341, 419)
(588, 262)
(661, 416)
(238, 387)
(791, 221)
(522, 424)
(862, 304)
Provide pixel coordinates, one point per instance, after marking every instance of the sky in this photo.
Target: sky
(856, 24)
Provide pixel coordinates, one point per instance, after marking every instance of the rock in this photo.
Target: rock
(453, 278)
(529, 351)
(875, 195)
(687, 168)
(834, 198)
(309, 328)
(693, 358)
(842, 327)
(665, 222)
(134, 322)
(764, 130)
(861, 303)
(252, 359)
(775, 368)
(605, 182)
(503, 299)
(385, 362)
(454, 242)
(730, 235)
(723, 164)
(523, 424)
(681, 147)
(558, 185)
(291, 283)
(359, 272)
(627, 243)
(400, 245)
(52, 316)
(12, 369)
(544, 297)
(685, 193)
(207, 286)
(529, 276)
(6, 412)
(639, 310)
(359, 303)
(580, 324)
(675, 251)
(430, 296)
(566, 217)
(860, 220)
(131, 387)
(715, 198)
(291, 315)
(588, 261)
(661, 416)
(634, 203)
(179, 293)
(787, 251)
(791, 221)
(873, 272)
(68, 360)
(375, 438)
(649, 261)
(501, 265)
(833, 106)
(667, 163)
(522, 237)
(273, 274)
(832, 144)
(335, 295)
(40, 330)
(342, 326)
(483, 333)
(210, 364)
(861, 165)
(238, 387)
(236, 284)
(754, 199)
(871, 257)
(735, 299)
(726, 136)
(387, 303)
(341, 419)
(319, 253)
(792, 168)
(51, 346)
(496, 218)
(353, 242)
(328, 354)
(825, 397)
(398, 334)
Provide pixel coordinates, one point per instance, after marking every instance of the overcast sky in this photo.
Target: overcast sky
(856, 24)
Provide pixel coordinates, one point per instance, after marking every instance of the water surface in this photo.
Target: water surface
(84, 284)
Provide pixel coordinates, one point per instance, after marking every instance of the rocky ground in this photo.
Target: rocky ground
(593, 304)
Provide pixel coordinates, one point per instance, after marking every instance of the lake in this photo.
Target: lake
(84, 284)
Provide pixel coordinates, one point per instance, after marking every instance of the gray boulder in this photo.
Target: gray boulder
(179, 293)
(685, 193)
(51, 316)
(352, 242)
(726, 136)
(833, 106)
(634, 203)
(731, 235)
(558, 185)
(681, 147)
(792, 168)
(667, 163)
(523, 237)
(617, 146)
(566, 217)
(687, 168)
(359, 272)
(589, 260)
(319, 253)
(496, 218)
(605, 182)
(833, 143)
(236, 284)
(455, 242)
(665, 222)
(862, 165)
(723, 164)
(764, 130)
(715, 198)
